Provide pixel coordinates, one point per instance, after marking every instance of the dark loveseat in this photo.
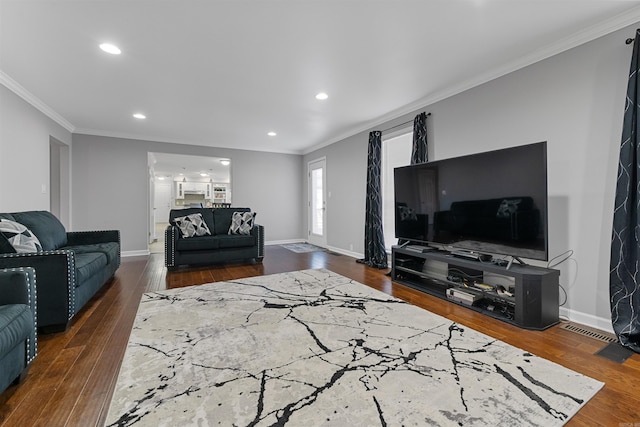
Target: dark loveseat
(18, 337)
(511, 218)
(218, 246)
(70, 266)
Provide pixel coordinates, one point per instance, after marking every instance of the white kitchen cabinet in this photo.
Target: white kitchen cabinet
(180, 190)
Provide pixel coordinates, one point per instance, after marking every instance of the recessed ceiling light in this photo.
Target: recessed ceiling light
(139, 116)
(161, 178)
(109, 48)
(225, 162)
(271, 133)
(322, 96)
(204, 174)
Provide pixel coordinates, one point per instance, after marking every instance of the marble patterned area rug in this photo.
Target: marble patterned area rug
(312, 348)
(301, 248)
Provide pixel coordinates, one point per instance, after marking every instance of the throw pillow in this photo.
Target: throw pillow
(192, 225)
(242, 222)
(19, 236)
(508, 207)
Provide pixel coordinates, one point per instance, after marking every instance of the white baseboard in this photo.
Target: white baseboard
(345, 252)
(283, 242)
(143, 252)
(587, 319)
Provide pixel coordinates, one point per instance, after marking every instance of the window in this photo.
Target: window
(396, 152)
(317, 202)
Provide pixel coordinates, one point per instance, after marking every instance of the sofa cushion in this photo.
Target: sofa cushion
(192, 225)
(236, 240)
(242, 223)
(19, 236)
(88, 264)
(199, 244)
(47, 228)
(222, 218)
(16, 323)
(110, 249)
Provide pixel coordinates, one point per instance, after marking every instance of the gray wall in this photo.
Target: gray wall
(346, 184)
(24, 154)
(110, 186)
(575, 101)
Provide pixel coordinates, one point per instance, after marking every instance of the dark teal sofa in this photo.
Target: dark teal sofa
(71, 267)
(18, 336)
(218, 247)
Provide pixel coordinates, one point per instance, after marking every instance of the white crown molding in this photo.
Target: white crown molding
(122, 135)
(581, 37)
(15, 87)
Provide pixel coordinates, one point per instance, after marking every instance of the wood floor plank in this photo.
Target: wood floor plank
(71, 381)
(39, 390)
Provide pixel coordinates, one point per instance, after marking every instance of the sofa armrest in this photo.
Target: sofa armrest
(75, 238)
(171, 236)
(56, 273)
(18, 286)
(258, 231)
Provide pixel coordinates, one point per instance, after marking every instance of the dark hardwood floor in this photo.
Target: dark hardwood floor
(71, 381)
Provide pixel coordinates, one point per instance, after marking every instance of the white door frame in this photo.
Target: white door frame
(162, 202)
(314, 238)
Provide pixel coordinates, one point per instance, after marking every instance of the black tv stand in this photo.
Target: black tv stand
(520, 294)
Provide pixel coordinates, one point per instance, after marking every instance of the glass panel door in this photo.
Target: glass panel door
(317, 203)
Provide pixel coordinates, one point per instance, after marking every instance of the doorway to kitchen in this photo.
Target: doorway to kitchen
(178, 181)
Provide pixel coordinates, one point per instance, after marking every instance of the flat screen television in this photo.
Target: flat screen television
(489, 203)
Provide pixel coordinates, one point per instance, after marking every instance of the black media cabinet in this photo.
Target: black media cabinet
(523, 295)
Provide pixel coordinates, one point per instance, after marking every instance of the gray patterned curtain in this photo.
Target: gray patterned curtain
(419, 152)
(625, 247)
(375, 254)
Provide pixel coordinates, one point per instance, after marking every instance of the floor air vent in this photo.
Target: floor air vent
(589, 332)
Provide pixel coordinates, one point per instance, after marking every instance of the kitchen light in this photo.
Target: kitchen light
(139, 116)
(109, 48)
(272, 133)
(322, 96)
(225, 162)
(204, 174)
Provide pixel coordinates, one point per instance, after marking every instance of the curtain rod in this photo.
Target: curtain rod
(400, 125)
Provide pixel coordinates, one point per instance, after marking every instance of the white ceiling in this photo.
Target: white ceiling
(225, 72)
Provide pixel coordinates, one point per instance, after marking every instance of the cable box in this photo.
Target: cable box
(459, 295)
